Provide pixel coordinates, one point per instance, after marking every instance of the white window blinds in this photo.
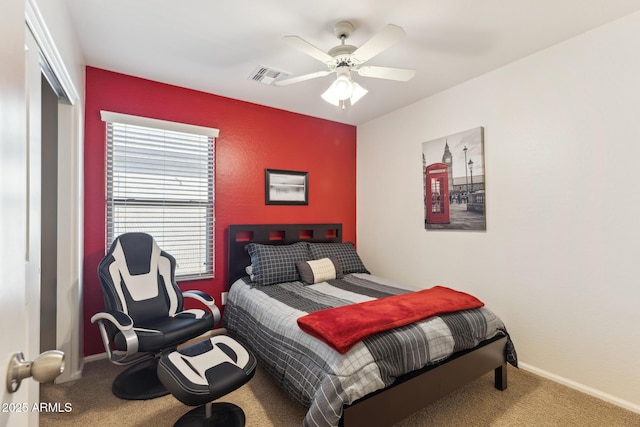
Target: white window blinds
(160, 180)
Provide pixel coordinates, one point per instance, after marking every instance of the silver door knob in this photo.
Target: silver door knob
(46, 367)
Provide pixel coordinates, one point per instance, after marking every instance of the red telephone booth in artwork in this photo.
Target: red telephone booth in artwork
(437, 185)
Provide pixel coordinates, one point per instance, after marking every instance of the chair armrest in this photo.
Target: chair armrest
(205, 299)
(119, 319)
(124, 323)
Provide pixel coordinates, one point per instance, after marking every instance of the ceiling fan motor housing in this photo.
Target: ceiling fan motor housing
(342, 54)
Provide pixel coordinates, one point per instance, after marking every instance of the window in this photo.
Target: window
(160, 181)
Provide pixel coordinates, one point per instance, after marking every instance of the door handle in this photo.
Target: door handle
(46, 367)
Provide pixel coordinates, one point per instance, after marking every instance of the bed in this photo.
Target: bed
(377, 381)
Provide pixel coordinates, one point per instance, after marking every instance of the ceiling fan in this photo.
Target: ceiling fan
(345, 59)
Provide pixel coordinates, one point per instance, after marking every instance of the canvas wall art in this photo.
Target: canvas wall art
(454, 181)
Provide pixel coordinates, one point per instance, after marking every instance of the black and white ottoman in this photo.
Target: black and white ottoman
(202, 372)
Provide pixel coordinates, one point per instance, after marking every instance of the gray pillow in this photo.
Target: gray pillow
(276, 263)
(344, 253)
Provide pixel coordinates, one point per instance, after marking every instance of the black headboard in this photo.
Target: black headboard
(273, 234)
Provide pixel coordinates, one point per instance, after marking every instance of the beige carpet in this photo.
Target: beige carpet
(529, 401)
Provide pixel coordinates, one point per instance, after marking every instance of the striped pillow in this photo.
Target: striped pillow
(320, 270)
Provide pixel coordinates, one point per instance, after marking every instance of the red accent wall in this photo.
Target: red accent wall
(252, 138)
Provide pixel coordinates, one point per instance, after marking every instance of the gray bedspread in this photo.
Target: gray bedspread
(320, 378)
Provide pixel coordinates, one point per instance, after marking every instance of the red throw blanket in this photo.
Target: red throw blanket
(342, 327)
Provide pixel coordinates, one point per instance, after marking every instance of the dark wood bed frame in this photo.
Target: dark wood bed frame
(408, 393)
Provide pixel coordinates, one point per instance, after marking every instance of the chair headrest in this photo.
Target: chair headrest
(137, 248)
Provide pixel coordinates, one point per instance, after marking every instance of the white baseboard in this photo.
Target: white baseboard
(95, 357)
(581, 387)
(75, 375)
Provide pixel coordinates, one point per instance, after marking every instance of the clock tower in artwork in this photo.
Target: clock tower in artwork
(448, 160)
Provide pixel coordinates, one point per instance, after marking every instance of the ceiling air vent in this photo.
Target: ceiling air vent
(267, 76)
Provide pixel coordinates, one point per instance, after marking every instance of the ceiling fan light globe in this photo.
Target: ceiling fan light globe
(342, 88)
(330, 97)
(358, 92)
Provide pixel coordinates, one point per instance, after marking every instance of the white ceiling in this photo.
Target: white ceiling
(214, 45)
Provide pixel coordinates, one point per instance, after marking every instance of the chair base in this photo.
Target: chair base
(139, 382)
(222, 415)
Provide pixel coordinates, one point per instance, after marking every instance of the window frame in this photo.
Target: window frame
(111, 202)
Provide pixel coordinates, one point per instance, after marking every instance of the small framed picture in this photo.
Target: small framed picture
(283, 187)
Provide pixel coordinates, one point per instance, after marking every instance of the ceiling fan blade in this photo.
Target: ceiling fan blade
(399, 74)
(306, 47)
(302, 78)
(379, 42)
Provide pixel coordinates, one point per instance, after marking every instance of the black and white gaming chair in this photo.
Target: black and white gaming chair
(144, 315)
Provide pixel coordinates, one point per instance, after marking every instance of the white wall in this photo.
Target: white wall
(558, 262)
(52, 23)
